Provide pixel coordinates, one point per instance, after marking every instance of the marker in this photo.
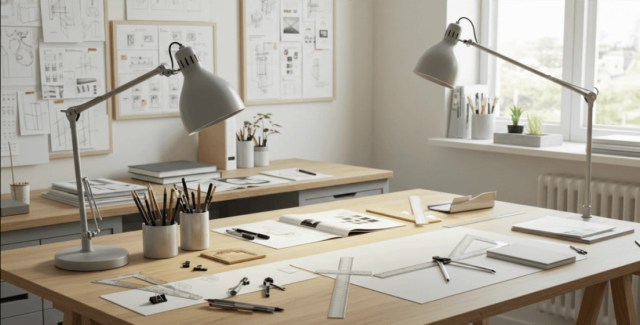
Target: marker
(259, 235)
(637, 243)
(241, 235)
(307, 172)
(234, 305)
(578, 250)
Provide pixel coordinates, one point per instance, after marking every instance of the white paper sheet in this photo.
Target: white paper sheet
(20, 13)
(33, 114)
(92, 127)
(211, 286)
(291, 20)
(291, 70)
(428, 284)
(179, 10)
(19, 56)
(61, 21)
(9, 121)
(72, 72)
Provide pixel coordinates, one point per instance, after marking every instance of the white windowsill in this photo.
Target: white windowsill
(567, 151)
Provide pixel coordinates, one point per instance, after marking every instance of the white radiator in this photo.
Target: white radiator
(608, 199)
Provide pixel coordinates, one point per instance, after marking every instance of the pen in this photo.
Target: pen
(241, 235)
(259, 235)
(307, 172)
(445, 274)
(578, 250)
(637, 243)
(233, 305)
(164, 207)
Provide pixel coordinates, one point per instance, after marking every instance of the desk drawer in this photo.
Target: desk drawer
(16, 301)
(53, 317)
(27, 319)
(343, 192)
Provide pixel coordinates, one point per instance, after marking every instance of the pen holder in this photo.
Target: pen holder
(261, 156)
(245, 154)
(20, 191)
(194, 231)
(160, 241)
(482, 126)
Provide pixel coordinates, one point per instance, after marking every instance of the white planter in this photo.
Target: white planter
(527, 140)
(245, 154)
(261, 156)
(482, 126)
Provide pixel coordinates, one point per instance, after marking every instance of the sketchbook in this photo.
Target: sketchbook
(532, 255)
(298, 229)
(594, 230)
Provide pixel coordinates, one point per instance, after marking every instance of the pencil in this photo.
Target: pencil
(198, 205)
(154, 203)
(146, 202)
(185, 188)
(140, 208)
(211, 197)
(164, 207)
(206, 198)
(193, 199)
(170, 212)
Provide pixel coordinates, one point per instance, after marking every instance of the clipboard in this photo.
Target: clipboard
(466, 203)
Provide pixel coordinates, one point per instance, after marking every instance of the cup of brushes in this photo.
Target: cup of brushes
(159, 227)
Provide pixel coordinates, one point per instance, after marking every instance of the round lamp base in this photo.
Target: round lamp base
(101, 258)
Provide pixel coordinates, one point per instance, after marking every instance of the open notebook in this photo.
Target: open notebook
(297, 229)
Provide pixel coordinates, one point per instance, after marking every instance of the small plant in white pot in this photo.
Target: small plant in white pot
(516, 112)
(265, 126)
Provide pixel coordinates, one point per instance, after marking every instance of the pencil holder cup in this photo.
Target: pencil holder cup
(194, 231)
(245, 154)
(261, 156)
(20, 191)
(160, 241)
(482, 126)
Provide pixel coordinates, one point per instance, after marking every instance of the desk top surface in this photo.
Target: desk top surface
(306, 302)
(45, 212)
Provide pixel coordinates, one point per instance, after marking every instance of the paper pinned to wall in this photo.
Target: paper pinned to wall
(72, 72)
(20, 13)
(61, 21)
(19, 55)
(178, 10)
(92, 127)
(9, 121)
(291, 70)
(33, 114)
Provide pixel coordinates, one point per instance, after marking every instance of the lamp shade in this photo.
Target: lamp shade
(439, 63)
(206, 99)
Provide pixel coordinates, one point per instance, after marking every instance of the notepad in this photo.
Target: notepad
(541, 258)
(562, 227)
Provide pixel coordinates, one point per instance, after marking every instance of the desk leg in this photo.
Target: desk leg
(71, 318)
(623, 301)
(591, 302)
(481, 322)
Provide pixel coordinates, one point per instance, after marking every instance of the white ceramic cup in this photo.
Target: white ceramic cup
(482, 126)
(245, 154)
(261, 156)
(194, 231)
(21, 192)
(160, 241)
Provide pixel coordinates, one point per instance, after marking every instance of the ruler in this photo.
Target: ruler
(338, 303)
(459, 253)
(418, 212)
(157, 286)
(482, 219)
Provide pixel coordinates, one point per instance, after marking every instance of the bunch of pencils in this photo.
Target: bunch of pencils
(151, 213)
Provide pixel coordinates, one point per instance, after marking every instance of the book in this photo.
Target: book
(534, 256)
(466, 203)
(176, 179)
(295, 174)
(298, 229)
(562, 227)
(100, 187)
(72, 199)
(172, 168)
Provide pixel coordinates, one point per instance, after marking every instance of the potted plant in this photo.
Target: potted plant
(516, 112)
(534, 124)
(265, 126)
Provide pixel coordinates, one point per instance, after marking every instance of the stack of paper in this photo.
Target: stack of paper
(617, 144)
(532, 256)
(106, 192)
(584, 231)
(171, 172)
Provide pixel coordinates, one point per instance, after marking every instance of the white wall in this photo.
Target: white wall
(339, 131)
(408, 110)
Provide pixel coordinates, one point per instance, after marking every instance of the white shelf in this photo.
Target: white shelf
(567, 151)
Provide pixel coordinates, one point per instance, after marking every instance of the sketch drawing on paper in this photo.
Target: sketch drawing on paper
(263, 58)
(20, 12)
(33, 114)
(60, 138)
(267, 7)
(18, 53)
(9, 125)
(92, 20)
(61, 11)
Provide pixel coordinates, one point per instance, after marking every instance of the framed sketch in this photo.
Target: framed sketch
(288, 51)
(141, 46)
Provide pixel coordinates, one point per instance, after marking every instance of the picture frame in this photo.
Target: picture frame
(139, 47)
(288, 51)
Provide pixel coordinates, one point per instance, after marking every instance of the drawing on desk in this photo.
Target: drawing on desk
(21, 13)
(33, 114)
(18, 49)
(9, 121)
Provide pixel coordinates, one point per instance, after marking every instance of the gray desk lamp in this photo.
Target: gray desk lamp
(205, 100)
(438, 64)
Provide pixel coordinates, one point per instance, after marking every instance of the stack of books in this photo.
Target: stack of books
(617, 144)
(105, 191)
(172, 172)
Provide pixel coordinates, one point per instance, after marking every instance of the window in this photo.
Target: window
(586, 42)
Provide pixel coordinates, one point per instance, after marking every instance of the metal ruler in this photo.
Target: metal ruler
(459, 253)
(482, 219)
(338, 304)
(157, 286)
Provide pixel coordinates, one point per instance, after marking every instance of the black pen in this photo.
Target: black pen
(241, 235)
(307, 172)
(637, 243)
(259, 235)
(578, 250)
(233, 305)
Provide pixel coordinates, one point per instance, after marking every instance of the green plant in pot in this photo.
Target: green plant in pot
(534, 124)
(266, 127)
(516, 112)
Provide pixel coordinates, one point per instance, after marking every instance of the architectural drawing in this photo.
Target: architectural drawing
(21, 13)
(9, 123)
(60, 137)
(33, 114)
(291, 70)
(61, 21)
(18, 48)
(71, 72)
(263, 70)
(92, 20)
(180, 10)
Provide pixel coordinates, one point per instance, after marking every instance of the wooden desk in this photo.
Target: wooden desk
(45, 212)
(307, 302)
